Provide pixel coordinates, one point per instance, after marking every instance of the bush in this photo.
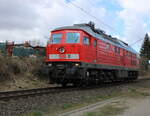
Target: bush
(14, 67)
(4, 69)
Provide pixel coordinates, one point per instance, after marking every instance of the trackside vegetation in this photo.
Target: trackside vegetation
(18, 72)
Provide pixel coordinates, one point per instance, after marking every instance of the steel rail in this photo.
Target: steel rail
(28, 92)
(40, 91)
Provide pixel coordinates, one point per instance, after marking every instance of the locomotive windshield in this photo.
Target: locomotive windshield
(73, 38)
(56, 38)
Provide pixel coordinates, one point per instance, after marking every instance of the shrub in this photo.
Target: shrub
(15, 67)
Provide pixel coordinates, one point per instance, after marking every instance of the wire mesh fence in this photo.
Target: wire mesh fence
(21, 50)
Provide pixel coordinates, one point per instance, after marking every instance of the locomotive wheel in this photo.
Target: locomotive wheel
(87, 82)
(87, 79)
(78, 83)
(64, 84)
(101, 77)
(83, 79)
(111, 76)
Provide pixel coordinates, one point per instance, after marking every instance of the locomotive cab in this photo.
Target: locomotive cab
(71, 46)
(64, 55)
(64, 46)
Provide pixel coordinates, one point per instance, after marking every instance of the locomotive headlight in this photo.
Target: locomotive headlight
(77, 64)
(50, 64)
(62, 50)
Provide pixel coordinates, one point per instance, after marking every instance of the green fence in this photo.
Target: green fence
(22, 51)
(3, 48)
(27, 51)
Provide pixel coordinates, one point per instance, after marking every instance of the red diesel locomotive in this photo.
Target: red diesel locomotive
(83, 55)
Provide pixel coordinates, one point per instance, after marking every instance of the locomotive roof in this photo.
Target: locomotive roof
(100, 34)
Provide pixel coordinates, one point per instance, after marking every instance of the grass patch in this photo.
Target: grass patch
(108, 110)
(34, 113)
(137, 93)
(67, 106)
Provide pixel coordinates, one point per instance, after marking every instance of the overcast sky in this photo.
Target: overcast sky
(22, 20)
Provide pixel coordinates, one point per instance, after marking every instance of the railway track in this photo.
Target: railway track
(40, 91)
(30, 92)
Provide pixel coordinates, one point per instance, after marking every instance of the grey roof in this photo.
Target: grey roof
(99, 34)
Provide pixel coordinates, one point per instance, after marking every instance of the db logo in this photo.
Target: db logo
(61, 50)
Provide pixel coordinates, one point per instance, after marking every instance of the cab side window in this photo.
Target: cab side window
(95, 43)
(86, 41)
(116, 49)
(107, 46)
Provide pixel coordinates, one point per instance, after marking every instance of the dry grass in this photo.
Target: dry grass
(20, 72)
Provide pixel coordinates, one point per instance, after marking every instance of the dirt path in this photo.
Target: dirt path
(138, 107)
(81, 111)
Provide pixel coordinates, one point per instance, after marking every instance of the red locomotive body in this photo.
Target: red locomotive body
(82, 54)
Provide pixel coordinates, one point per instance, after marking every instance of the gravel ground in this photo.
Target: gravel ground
(138, 107)
(17, 107)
